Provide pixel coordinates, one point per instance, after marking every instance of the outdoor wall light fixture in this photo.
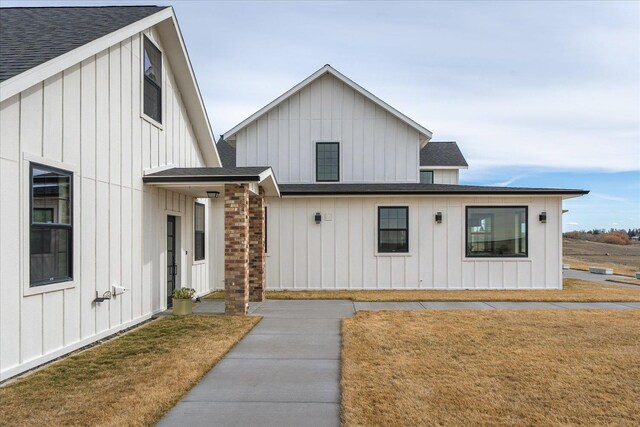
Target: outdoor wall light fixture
(543, 217)
(439, 217)
(213, 194)
(104, 297)
(318, 217)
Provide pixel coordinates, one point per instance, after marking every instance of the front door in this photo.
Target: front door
(172, 265)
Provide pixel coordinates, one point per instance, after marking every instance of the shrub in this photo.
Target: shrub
(184, 293)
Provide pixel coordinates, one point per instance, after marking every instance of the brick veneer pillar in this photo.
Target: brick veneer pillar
(256, 247)
(236, 249)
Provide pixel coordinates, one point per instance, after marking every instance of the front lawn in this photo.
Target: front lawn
(574, 290)
(131, 380)
(530, 367)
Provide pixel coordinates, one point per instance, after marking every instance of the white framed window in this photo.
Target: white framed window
(199, 232)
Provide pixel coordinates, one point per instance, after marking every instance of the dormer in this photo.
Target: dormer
(440, 163)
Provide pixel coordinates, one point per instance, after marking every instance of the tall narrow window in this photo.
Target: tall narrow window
(265, 230)
(496, 231)
(198, 237)
(152, 81)
(426, 177)
(393, 229)
(51, 244)
(327, 161)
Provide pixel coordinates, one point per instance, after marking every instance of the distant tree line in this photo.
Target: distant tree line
(613, 236)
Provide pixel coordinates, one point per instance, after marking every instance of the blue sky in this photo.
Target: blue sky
(535, 93)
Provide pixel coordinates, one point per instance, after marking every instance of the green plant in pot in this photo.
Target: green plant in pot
(182, 301)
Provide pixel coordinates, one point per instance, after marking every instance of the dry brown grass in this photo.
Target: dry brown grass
(582, 254)
(573, 290)
(530, 367)
(131, 380)
(622, 270)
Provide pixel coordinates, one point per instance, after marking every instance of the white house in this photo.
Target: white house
(113, 193)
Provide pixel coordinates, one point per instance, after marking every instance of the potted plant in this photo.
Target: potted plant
(182, 301)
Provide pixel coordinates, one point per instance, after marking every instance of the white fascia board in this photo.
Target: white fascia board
(32, 76)
(430, 168)
(427, 134)
(268, 180)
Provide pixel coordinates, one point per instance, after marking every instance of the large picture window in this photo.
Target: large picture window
(51, 240)
(152, 81)
(496, 231)
(198, 237)
(327, 161)
(393, 229)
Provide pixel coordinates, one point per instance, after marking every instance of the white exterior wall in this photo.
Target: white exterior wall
(341, 253)
(87, 120)
(374, 145)
(445, 176)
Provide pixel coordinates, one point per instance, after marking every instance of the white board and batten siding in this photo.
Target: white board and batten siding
(375, 146)
(86, 119)
(445, 176)
(341, 253)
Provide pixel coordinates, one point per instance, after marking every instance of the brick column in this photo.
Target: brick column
(236, 249)
(256, 247)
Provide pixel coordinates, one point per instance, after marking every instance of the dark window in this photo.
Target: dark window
(496, 231)
(426, 177)
(265, 229)
(51, 244)
(199, 232)
(152, 81)
(327, 161)
(393, 229)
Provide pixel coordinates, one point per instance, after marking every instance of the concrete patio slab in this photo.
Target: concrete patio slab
(597, 305)
(267, 380)
(455, 305)
(387, 306)
(506, 305)
(263, 414)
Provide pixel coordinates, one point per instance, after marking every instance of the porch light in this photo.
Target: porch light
(439, 217)
(318, 217)
(543, 217)
(213, 194)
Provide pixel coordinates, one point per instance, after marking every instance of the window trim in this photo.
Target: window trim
(70, 278)
(397, 253)
(146, 117)
(318, 143)
(468, 256)
(204, 233)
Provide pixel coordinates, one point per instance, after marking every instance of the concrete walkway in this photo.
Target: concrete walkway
(600, 278)
(285, 372)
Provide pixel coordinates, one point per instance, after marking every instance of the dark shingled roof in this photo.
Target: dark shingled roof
(415, 189)
(30, 36)
(227, 153)
(437, 153)
(249, 173)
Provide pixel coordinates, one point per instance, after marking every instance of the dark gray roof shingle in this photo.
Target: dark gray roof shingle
(30, 36)
(437, 153)
(205, 174)
(410, 188)
(227, 153)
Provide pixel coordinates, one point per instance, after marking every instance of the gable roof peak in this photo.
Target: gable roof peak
(425, 133)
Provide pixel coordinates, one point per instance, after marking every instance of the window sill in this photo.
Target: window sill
(152, 121)
(393, 254)
(488, 258)
(43, 289)
(200, 261)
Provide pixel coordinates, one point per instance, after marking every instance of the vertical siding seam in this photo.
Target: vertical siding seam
(21, 227)
(95, 184)
(79, 267)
